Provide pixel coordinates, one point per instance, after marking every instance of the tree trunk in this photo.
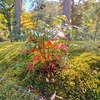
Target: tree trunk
(72, 13)
(66, 10)
(17, 12)
(96, 28)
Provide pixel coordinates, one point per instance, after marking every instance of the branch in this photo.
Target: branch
(2, 6)
(10, 7)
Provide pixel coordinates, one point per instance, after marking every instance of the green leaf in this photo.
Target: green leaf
(33, 33)
(38, 34)
(17, 65)
(51, 32)
(27, 30)
(51, 36)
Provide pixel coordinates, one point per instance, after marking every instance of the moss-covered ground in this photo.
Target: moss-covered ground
(10, 89)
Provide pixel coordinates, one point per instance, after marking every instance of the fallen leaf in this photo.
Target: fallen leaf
(95, 71)
(47, 80)
(53, 96)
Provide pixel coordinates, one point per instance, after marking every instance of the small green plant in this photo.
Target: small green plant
(47, 46)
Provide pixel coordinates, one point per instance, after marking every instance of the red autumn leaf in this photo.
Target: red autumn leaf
(35, 59)
(57, 57)
(32, 50)
(62, 46)
(50, 43)
(24, 52)
(30, 67)
(59, 47)
(40, 45)
(66, 37)
(66, 48)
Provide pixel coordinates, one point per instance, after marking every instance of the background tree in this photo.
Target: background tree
(6, 9)
(46, 10)
(85, 15)
(17, 14)
(66, 10)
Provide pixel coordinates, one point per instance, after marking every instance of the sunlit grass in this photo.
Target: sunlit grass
(9, 53)
(78, 47)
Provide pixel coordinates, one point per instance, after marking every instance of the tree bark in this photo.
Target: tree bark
(17, 12)
(96, 28)
(66, 10)
(72, 14)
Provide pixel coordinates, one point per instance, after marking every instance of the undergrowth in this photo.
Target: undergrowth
(80, 80)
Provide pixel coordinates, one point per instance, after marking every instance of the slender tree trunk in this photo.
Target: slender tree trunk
(96, 28)
(9, 28)
(72, 13)
(17, 12)
(66, 10)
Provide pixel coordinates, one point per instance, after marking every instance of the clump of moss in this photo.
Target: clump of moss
(76, 81)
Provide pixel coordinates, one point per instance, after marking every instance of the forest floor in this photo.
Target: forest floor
(9, 56)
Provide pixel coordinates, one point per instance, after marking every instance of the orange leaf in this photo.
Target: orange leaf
(42, 59)
(35, 59)
(50, 56)
(40, 52)
(50, 43)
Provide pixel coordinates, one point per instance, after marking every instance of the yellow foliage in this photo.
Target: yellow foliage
(26, 21)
